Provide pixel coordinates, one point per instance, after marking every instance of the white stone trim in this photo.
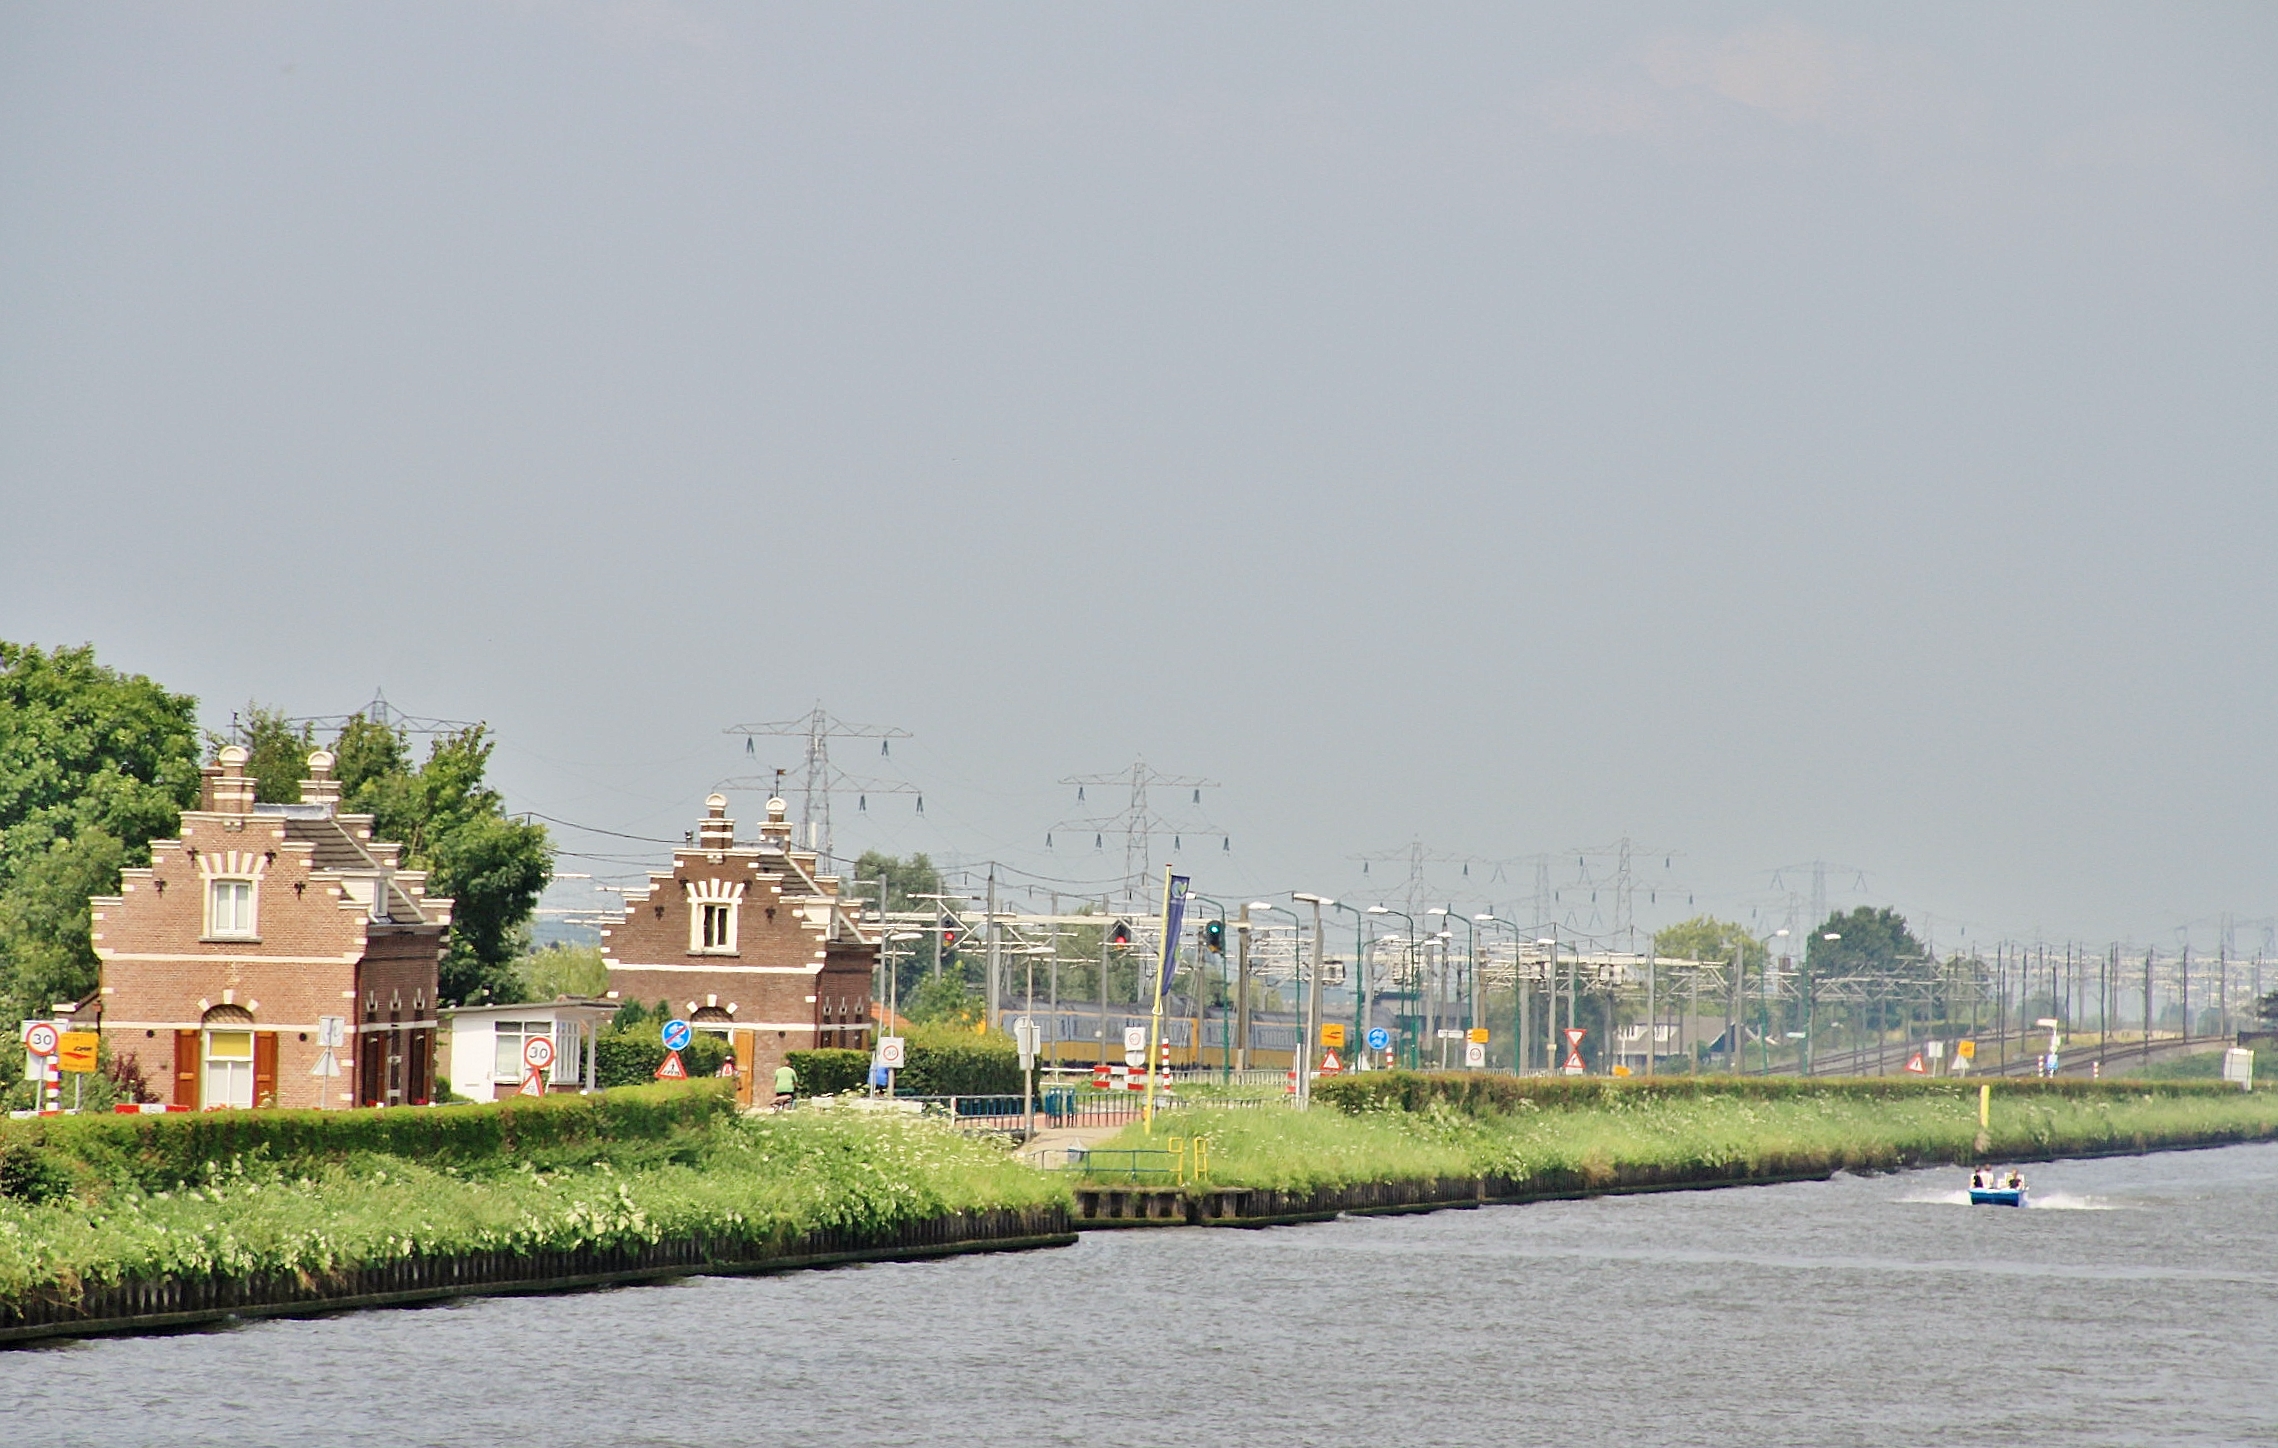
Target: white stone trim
(710, 891)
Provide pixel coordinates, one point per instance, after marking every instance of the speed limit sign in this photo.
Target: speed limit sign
(538, 1052)
(41, 1039)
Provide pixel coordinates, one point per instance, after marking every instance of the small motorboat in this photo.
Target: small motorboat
(1997, 1189)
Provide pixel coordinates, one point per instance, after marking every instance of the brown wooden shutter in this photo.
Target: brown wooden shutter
(419, 1081)
(186, 1048)
(264, 1068)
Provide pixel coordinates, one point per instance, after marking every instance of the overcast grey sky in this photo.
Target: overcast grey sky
(1768, 433)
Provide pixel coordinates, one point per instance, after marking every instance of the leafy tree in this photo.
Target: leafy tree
(94, 764)
(1886, 965)
(559, 970)
(905, 879)
(276, 753)
(1704, 937)
(943, 999)
(454, 826)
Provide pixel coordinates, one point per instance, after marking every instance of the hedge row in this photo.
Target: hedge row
(158, 1153)
(631, 1058)
(941, 1063)
(1480, 1092)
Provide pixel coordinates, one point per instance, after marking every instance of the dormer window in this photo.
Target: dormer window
(229, 909)
(712, 909)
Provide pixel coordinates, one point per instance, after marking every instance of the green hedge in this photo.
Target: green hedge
(959, 1063)
(631, 1058)
(159, 1153)
(830, 1071)
(1481, 1092)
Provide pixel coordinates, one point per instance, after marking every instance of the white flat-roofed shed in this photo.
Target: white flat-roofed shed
(485, 1047)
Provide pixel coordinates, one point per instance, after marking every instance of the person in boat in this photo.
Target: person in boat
(1977, 1180)
(2016, 1182)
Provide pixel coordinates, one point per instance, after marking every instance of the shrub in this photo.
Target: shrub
(831, 1071)
(959, 1063)
(631, 1058)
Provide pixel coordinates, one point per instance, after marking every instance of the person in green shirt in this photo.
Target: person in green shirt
(786, 1085)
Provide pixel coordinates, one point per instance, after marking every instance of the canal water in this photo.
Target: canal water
(2136, 1302)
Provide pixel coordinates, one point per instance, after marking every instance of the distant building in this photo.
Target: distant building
(750, 942)
(221, 959)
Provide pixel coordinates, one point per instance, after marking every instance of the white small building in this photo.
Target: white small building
(485, 1055)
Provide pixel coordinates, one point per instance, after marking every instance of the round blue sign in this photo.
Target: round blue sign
(1379, 1038)
(677, 1035)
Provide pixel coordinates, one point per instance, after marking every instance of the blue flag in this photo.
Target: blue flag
(1174, 920)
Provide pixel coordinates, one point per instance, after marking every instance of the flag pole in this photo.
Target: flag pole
(1155, 1021)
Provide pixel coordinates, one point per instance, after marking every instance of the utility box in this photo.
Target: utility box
(2238, 1065)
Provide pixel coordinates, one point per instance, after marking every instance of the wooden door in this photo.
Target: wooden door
(187, 1049)
(419, 1078)
(747, 1060)
(265, 1068)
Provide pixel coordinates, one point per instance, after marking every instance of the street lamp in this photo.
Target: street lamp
(1404, 915)
(1296, 977)
(1312, 1000)
(1518, 994)
(1550, 976)
(1360, 976)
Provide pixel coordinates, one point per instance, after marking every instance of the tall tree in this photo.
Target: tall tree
(1886, 969)
(454, 826)
(1704, 937)
(94, 764)
(276, 753)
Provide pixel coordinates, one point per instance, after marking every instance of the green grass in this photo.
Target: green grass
(1568, 1136)
(654, 1169)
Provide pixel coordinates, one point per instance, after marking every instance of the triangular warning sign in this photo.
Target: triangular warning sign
(1330, 1065)
(1914, 1064)
(672, 1070)
(1573, 1061)
(532, 1085)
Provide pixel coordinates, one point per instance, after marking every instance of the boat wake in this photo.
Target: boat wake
(2065, 1202)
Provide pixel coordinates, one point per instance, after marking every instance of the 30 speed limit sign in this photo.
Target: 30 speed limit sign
(41, 1039)
(538, 1052)
(892, 1054)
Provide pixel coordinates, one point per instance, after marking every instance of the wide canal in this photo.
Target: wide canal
(2135, 1302)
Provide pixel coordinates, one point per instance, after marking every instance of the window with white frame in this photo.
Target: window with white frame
(718, 926)
(229, 1067)
(712, 916)
(506, 1058)
(229, 908)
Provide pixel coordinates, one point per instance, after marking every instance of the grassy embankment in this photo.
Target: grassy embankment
(1552, 1136)
(139, 1198)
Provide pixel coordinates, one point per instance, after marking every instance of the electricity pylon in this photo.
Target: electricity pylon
(818, 728)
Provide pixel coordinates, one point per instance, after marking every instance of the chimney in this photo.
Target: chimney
(776, 833)
(715, 831)
(230, 791)
(320, 787)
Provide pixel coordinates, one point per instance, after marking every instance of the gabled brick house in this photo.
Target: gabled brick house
(750, 942)
(219, 959)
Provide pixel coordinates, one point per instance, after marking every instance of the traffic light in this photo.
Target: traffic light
(948, 939)
(1214, 936)
(1121, 934)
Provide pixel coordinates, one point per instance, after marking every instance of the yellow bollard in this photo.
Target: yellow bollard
(1985, 1106)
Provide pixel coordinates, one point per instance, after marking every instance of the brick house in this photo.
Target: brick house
(220, 958)
(750, 941)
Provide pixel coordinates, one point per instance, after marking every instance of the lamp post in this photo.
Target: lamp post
(1360, 973)
(1296, 972)
(1811, 1002)
(1550, 1007)
(1404, 915)
(1764, 1004)
(1518, 995)
(1226, 1055)
(1312, 1000)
